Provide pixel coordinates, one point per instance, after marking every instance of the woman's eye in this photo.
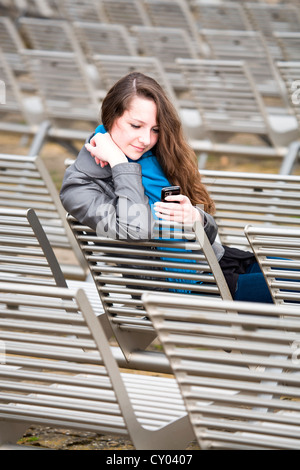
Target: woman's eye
(135, 126)
(156, 131)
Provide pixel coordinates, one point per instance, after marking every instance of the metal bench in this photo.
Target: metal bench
(50, 70)
(277, 250)
(249, 46)
(163, 13)
(228, 101)
(26, 183)
(123, 270)
(11, 44)
(289, 45)
(26, 257)
(25, 253)
(49, 35)
(289, 73)
(269, 18)
(112, 67)
(77, 10)
(100, 38)
(15, 112)
(220, 15)
(166, 44)
(57, 369)
(249, 349)
(125, 12)
(243, 198)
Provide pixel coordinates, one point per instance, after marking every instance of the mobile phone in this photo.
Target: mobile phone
(169, 191)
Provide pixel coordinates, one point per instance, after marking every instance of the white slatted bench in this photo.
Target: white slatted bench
(251, 349)
(25, 253)
(226, 96)
(123, 270)
(26, 257)
(57, 370)
(25, 183)
(243, 198)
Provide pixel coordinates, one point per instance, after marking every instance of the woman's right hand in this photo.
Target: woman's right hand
(105, 151)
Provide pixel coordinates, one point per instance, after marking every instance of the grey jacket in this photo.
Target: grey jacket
(112, 201)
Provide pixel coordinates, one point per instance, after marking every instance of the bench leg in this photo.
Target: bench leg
(11, 432)
(39, 138)
(290, 159)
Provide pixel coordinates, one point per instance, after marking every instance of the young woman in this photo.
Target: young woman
(138, 149)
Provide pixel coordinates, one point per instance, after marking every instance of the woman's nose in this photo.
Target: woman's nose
(145, 137)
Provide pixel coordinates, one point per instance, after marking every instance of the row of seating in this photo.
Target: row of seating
(165, 43)
(115, 293)
(34, 79)
(50, 329)
(266, 16)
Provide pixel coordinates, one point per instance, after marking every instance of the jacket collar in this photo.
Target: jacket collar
(86, 163)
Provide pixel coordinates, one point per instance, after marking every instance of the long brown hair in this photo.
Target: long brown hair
(176, 157)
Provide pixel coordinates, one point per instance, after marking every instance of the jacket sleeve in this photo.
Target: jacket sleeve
(210, 225)
(114, 207)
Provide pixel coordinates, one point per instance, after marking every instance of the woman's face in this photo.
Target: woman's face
(136, 131)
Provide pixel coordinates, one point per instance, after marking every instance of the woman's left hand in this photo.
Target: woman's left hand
(184, 212)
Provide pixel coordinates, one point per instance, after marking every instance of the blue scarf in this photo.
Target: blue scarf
(153, 179)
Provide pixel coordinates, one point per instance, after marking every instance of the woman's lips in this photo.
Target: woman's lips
(139, 149)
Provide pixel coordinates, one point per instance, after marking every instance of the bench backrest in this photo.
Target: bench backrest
(225, 95)
(163, 13)
(289, 44)
(201, 338)
(277, 251)
(126, 12)
(112, 67)
(166, 44)
(243, 198)
(98, 38)
(270, 18)
(181, 262)
(49, 34)
(25, 183)
(51, 70)
(289, 72)
(222, 16)
(26, 255)
(244, 45)
(11, 44)
(10, 98)
(76, 10)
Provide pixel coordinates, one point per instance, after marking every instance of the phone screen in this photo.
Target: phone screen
(169, 191)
